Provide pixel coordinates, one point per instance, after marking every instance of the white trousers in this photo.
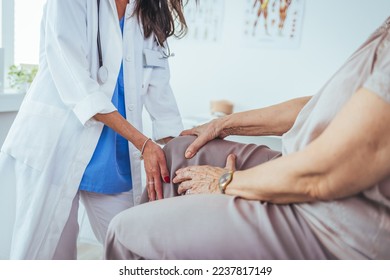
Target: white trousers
(100, 208)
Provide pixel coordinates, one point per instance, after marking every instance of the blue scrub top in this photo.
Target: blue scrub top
(109, 171)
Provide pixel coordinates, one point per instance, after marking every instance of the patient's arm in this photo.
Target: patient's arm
(273, 120)
(351, 155)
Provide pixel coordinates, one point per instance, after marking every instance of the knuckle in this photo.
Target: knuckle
(152, 170)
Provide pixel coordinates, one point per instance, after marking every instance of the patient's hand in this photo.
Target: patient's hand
(205, 133)
(202, 179)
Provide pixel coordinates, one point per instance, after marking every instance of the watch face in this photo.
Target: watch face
(224, 180)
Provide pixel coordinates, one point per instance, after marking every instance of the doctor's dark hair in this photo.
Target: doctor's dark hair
(164, 18)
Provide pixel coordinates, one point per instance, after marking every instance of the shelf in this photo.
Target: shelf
(10, 102)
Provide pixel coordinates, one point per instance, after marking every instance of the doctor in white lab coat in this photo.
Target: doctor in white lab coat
(54, 135)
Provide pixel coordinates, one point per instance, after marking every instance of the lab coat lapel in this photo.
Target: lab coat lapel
(113, 6)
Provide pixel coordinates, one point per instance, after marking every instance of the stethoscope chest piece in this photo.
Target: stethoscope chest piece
(102, 74)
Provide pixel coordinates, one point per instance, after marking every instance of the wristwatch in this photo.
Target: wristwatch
(225, 180)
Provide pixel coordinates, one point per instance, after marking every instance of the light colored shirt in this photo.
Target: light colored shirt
(357, 227)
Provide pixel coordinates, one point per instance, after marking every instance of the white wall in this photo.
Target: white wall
(253, 77)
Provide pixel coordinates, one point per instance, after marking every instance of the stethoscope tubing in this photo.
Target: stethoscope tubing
(99, 43)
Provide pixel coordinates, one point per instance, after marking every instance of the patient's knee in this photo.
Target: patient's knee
(121, 220)
(178, 145)
(212, 153)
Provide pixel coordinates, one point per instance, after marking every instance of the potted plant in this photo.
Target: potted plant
(21, 76)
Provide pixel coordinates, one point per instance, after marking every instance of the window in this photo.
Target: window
(6, 38)
(19, 35)
(27, 20)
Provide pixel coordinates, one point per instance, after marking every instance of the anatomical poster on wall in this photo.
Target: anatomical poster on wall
(273, 23)
(205, 20)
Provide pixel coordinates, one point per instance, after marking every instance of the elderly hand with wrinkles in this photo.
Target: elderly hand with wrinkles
(202, 179)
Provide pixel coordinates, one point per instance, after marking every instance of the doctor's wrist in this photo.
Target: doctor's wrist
(142, 150)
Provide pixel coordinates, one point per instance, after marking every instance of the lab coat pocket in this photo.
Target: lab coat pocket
(34, 134)
(153, 62)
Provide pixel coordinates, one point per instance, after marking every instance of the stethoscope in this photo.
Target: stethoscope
(102, 74)
(164, 49)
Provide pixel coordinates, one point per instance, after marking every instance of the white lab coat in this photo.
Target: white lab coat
(54, 134)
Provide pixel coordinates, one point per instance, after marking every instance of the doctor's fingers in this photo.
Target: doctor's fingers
(156, 169)
(158, 190)
(154, 186)
(162, 175)
(158, 184)
(162, 162)
(152, 171)
(153, 190)
(150, 189)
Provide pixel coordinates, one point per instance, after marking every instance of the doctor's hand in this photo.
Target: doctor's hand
(156, 170)
(202, 179)
(205, 133)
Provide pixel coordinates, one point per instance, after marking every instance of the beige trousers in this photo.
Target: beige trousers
(100, 208)
(212, 226)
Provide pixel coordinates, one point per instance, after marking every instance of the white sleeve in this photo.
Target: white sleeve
(161, 104)
(66, 47)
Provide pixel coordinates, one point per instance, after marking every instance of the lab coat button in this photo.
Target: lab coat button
(131, 107)
(128, 58)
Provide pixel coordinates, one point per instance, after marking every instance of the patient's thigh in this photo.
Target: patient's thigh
(211, 227)
(214, 153)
